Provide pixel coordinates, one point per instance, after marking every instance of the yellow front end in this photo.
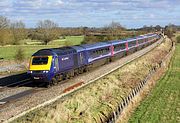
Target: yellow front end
(41, 66)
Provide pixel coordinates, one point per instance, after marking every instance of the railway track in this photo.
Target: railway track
(12, 83)
(33, 88)
(14, 80)
(15, 95)
(71, 88)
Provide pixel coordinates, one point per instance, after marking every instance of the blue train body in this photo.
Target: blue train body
(52, 65)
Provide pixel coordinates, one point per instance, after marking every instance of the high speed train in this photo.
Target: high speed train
(56, 64)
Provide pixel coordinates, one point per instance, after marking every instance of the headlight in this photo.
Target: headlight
(45, 71)
(29, 71)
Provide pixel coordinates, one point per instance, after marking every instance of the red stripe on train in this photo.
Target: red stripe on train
(126, 46)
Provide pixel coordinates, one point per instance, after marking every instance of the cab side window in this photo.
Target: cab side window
(56, 64)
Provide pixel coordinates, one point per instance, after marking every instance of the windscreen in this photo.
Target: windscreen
(40, 60)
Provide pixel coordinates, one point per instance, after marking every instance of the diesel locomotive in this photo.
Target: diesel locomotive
(56, 64)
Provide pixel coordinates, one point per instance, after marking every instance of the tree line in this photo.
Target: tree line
(47, 30)
(12, 32)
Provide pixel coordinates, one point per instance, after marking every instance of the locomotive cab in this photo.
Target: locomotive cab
(41, 68)
(52, 65)
(41, 63)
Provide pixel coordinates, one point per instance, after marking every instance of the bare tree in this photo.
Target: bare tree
(4, 22)
(47, 30)
(115, 25)
(18, 31)
(47, 24)
(115, 28)
(5, 36)
(18, 25)
(158, 28)
(170, 30)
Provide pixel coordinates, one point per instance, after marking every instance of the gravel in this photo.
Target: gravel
(8, 67)
(7, 70)
(6, 92)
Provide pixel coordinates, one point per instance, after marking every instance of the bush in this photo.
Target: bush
(19, 56)
(178, 39)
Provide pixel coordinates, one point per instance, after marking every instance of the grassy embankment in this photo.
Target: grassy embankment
(163, 104)
(96, 101)
(8, 52)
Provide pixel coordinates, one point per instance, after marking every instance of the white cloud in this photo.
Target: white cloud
(89, 11)
(152, 16)
(59, 2)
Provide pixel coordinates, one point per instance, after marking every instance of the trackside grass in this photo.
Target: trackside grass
(163, 104)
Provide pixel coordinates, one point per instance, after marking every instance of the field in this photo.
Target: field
(69, 40)
(8, 52)
(163, 104)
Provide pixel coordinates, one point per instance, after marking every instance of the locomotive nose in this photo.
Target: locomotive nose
(39, 68)
(40, 63)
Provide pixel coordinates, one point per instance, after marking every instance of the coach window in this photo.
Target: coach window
(132, 43)
(141, 41)
(122, 46)
(97, 52)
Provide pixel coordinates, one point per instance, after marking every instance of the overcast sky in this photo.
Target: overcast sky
(93, 13)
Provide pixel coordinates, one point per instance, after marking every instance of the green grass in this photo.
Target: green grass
(8, 52)
(69, 40)
(163, 104)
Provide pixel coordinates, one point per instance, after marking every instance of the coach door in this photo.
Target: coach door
(75, 60)
(56, 65)
(81, 58)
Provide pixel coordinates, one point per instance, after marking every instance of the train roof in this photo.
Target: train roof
(63, 50)
(43, 52)
(96, 45)
(55, 51)
(78, 48)
(114, 42)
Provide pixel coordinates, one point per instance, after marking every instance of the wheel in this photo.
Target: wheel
(54, 81)
(60, 78)
(85, 69)
(48, 85)
(80, 70)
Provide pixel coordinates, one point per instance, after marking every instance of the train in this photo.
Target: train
(53, 65)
